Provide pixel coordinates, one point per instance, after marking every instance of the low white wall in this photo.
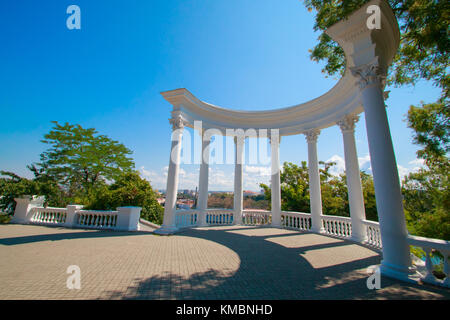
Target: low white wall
(30, 210)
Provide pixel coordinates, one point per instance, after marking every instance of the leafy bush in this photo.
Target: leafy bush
(128, 190)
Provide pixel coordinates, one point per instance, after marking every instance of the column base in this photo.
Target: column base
(318, 230)
(399, 273)
(275, 225)
(166, 230)
(18, 221)
(358, 238)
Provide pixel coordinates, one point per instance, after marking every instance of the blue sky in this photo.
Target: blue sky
(240, 54)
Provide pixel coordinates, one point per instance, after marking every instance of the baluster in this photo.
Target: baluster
(429, 277)
(446, 269)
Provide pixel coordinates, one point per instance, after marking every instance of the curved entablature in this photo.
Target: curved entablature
(362, 46)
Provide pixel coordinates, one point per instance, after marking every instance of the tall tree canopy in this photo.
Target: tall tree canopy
(83, 167)
(424, 44)
(81, 157)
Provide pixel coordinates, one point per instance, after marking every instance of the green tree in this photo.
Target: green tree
(427, 192)
(295, 191)
(13, 186)
(424, 39)
(128, 190)
(79, 158)
(85, 168)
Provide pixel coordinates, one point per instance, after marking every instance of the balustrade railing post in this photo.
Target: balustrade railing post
(128, 218)
(71, 214)
(24, 208)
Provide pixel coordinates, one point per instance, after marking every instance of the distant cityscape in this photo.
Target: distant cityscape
(187, 198)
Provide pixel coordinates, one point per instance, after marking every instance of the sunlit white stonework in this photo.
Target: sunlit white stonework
(369, 52)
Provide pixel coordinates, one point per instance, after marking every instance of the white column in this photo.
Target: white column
(275, 178)
(238, 178)
(355, 194)
(396, 254)
(203, 179)
(315, 196)
(169, 226)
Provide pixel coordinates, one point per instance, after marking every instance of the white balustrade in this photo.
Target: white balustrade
(373, 234)
(30, 210)
(54, 216)
(256, 217)
(337, 226)
(186, 218)
(219, 216)
(296, 220)
(96, 219)
(431, 246)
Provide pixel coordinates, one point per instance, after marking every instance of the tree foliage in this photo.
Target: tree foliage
(427, 192)
(79, 158)
(83, 167)
(424, 44)
(295, 191)
(128, 190)
(13, 186)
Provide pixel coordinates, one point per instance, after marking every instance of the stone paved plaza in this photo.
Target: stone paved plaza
(205, 263)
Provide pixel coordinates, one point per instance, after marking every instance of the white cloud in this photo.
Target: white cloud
(402, 171)
(259, 170)
(220, 180)
(339, 167)
(158, 180)
(414, 166)
(254, 175)
(364, 163)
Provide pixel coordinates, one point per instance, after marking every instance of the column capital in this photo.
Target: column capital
(348, 123)
(274, 134)
(312, 135)
(369, 74)
(177, 122)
